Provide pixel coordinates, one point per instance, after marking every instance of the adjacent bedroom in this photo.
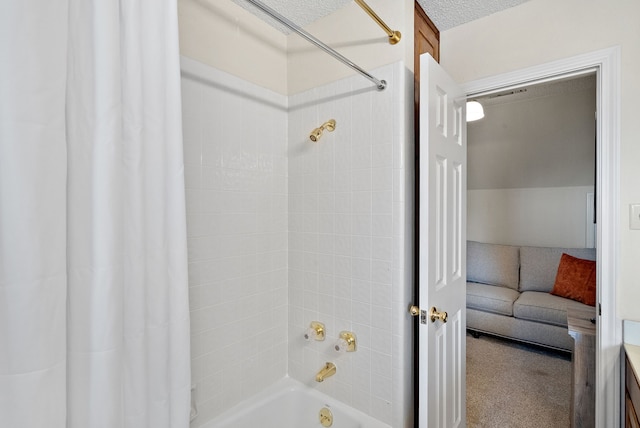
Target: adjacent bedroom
(531, 230)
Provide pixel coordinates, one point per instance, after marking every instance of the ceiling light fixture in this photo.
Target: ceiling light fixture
(474, 111)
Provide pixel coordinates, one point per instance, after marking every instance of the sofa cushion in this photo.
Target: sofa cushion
(489, 298)
(544, 307)
(493, 264)
(539, 265)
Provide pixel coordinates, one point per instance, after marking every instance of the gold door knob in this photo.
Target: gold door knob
(414, 310)
(437, 315)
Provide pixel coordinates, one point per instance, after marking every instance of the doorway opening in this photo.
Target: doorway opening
(606, 64)
(530, 183)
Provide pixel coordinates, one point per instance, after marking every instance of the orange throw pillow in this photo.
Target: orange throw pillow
(576, 280)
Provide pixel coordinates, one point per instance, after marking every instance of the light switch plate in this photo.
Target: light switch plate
(634, 216)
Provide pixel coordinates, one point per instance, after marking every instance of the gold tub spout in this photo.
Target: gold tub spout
(328, 370)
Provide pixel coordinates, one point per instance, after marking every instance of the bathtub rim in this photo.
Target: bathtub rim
(281, 387)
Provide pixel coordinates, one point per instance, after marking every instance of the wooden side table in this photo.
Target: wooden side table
(583, 368)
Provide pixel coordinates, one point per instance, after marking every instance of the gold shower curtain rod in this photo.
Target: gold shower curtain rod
(394, 36)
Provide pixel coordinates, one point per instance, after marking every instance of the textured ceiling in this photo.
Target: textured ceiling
(301, 12)
(445, 14)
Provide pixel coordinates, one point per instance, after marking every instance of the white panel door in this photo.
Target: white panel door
(442, 241)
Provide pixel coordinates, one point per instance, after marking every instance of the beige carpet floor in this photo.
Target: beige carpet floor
(511, 385)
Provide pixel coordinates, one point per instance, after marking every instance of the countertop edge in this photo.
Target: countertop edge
(633, 354)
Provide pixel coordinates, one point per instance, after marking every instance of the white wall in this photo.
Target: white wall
(350, 240)
(543, 217)
(540, 31)
(223, 35)
(235, 148)
(546, 141)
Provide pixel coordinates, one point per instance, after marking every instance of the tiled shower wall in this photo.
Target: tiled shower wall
(350, 245)
(235, 147)
(282, 231)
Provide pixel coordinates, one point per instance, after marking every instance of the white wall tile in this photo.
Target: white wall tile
(237, 192)
(298, 231)
(366, 235)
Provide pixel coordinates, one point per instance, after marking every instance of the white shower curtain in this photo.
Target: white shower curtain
(94, 317)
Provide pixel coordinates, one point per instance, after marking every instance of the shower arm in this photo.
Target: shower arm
(380, 84)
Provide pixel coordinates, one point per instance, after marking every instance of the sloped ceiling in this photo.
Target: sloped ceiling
(445, 14)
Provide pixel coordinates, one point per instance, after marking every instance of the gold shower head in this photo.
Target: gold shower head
(329, 125)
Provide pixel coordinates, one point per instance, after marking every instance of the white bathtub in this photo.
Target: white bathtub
(290, 404)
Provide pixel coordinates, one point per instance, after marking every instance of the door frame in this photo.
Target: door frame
(606, 64)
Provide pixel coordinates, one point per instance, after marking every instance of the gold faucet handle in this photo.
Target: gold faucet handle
(346, 342)
(315, 331)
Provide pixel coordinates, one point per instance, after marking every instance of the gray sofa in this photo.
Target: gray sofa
(508, 293)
